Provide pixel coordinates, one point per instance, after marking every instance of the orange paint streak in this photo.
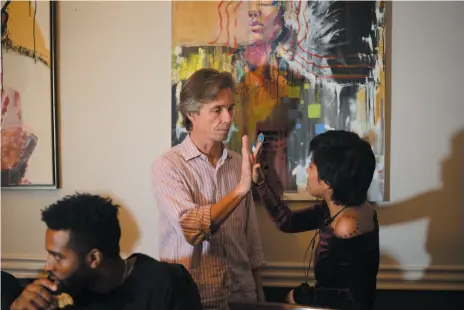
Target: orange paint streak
(227, 25)
(235, 27)
(380, 91)
(220, 23)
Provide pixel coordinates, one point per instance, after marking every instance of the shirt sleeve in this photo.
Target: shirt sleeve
(174, 200)
(254, 245)
(287, 220)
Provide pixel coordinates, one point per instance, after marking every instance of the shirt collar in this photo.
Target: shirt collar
(189, 150)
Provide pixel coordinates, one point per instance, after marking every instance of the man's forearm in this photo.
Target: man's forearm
(198, 223)
(221, 210)
(258, 284)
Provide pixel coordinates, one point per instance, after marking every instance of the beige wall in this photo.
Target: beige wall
(115, 118)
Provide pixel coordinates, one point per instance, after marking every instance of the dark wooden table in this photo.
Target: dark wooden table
(271, 306)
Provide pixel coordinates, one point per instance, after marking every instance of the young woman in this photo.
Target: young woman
(347, 254)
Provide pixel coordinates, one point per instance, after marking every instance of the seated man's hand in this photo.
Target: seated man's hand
(37, 295)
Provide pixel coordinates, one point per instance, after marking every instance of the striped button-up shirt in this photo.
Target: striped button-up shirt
(186, 185)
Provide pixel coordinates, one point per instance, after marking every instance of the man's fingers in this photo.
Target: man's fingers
(40, 292)
(244, 147)
(34, 300)
(35, 296)
(245, 144)
(44, 294)
(47, 283)
(252, 159)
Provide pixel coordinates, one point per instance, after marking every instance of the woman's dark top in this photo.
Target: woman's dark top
(339, 263)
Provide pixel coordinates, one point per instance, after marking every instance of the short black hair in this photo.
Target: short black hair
(346, 163)
(91, 219)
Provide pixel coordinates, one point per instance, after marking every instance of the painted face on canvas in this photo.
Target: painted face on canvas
(214, 120)
(264, 21)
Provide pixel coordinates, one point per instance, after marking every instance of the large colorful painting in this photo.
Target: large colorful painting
(29, 121)
(302, 68)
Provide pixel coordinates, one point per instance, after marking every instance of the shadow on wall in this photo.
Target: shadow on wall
(130, 232)
(440, 211)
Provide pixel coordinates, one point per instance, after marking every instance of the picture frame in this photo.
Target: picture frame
(30, 141)
(296, 76)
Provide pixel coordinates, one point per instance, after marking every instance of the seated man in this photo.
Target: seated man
(347, 254)
(82, 241)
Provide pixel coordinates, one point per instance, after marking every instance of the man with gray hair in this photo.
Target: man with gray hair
(207, 215)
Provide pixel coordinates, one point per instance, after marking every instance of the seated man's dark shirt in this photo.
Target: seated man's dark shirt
(11, 289)
(152, 285)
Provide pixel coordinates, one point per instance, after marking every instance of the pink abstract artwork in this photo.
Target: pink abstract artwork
(17, 143)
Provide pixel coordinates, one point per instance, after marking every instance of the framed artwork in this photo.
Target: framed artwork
(29, 95)
(301, 67)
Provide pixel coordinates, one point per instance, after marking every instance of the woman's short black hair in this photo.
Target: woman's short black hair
(346, 163)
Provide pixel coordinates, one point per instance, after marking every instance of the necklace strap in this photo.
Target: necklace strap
(338, 213)
(124, 276)
(332, 218)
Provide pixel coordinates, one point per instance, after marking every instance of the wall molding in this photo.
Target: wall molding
(290, 274)
(22, 265)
